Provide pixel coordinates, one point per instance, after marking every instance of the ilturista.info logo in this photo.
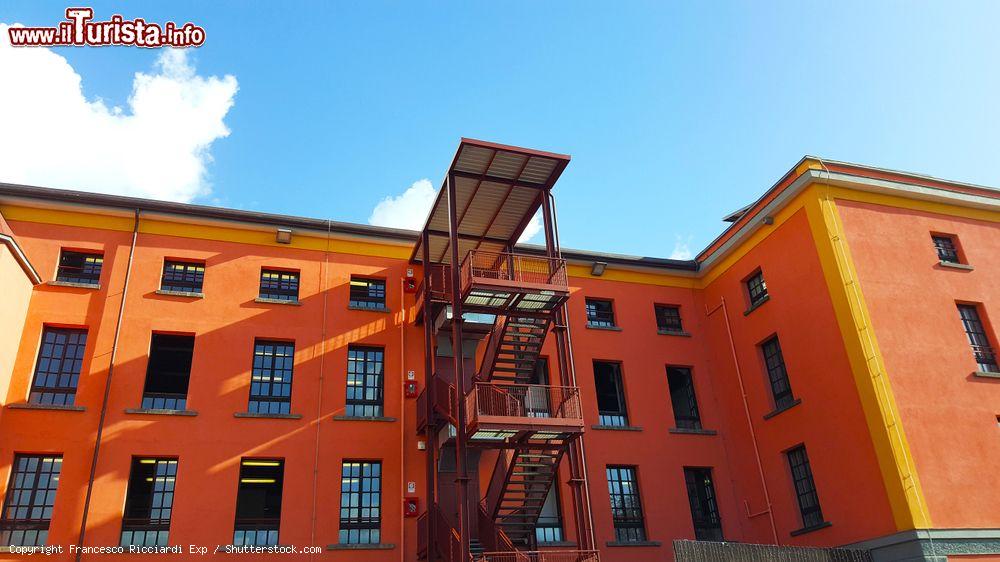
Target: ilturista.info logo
(80, 30)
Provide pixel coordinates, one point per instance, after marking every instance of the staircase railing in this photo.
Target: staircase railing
(523, 400)
(518, 268)
(492, 347)
(540, 556)
(449, 544)
(490, 534)
(501, 473)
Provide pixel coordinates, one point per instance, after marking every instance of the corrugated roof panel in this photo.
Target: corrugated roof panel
(506, 165)
(473, 159)
(538, 170)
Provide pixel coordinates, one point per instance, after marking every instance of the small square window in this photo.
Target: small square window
(600, 313)
(947, 248)
(668, 318)
(367, 293)
(756, 288)
(80, 267)
(279, 285)
(182, 277)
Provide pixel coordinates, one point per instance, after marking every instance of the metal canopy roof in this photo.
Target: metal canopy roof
(498, 188)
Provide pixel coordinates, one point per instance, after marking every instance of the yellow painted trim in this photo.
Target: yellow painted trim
(906, 497)
(640, 277)
(66, 218)
(911, 204)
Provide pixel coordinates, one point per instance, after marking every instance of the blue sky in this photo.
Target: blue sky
(674, 113)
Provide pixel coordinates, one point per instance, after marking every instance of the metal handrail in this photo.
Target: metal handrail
(523, 400)
(508, 266)
(540, 556)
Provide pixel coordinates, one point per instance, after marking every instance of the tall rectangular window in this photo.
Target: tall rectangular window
(947, 250)
(271, 378)
(364, 381)
(600, 313)
(975, 331)
(31, 494)
(805, 487)
(57, 370)
(626, 507)
(704, 508)
(149, 502)
(360, 502)
(258, 502)
(182, 277)
(549, 526)
(168, 372)
(777, 375)
(80, 267)
(682, 398)
(756, 288)
(279, 285)
(610, 394)
(367, 293)
(668, 318)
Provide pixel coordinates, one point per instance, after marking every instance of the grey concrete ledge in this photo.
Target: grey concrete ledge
(684, 430)
(608, 328)
(155, 412)
(270, 416)
(931, 544)
(756, 306)
(955, 265)
(382, 309)
(181, 294)
(616, 427)
(674, 333)
(810, 529)
(364, 418)
(263, 300)
(378, 546)
(56, 407)
(777, 411)
(986, 375)
(94, 286)
(633, 543)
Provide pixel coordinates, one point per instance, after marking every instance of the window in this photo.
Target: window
(668, 318)
(626, 507)
(80, 267)
(805, 487)
(682, 398)
(168, 372)
(976, 332)
(258, 502)
(610, 394)
(756, 288)
(364, 381)
(148, 502)
(279, 285)
(781, 390)
(31, 494)
(600, 313)
(549, 525)
(947, 250)
(271, 378)
(182, 277)
(360, 502)
(704, 509)
(57, 370)
(367, 293)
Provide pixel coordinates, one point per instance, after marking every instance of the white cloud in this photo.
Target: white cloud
(410, 209)
(158, 147)
(682, 249)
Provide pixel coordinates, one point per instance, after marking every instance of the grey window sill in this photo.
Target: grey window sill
(364, 418)
(271, 416)
(954, 265)
(805, 530)
(379, 546)
(756, 306)
(684, 430)
(57, 407)
(181, 294)
(986, 375)
(367, 309)
(777, 411)
(94, 286)
(616, 427)
(154, 412)
(608, 328)
(673, 333)
(277, 301)
(633, 543)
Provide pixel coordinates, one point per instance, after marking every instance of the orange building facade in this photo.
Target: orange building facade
(823, 374)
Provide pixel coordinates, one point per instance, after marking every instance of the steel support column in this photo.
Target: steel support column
(429, 377)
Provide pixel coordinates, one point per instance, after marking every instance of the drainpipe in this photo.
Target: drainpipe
(107, 387)
(319, 397)
(746, 411)
(402, 408)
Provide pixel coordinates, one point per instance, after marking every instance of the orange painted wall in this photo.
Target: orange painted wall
(950, 417)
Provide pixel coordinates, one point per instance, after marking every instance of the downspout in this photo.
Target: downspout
(319, 398)
(746, 411)
(107, 387)
(402, 409)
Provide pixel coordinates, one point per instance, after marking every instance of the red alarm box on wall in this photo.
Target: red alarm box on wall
(411, 507)
(410, 388)
(409, 282)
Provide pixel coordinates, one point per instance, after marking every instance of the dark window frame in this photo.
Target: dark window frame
(148, 509)
(26, 522)
(777, 373)
(617, 417)
(948, 248)
(804, 485)
(82, 267)
(153, 398)
(756, 288)
(259, 531)
(369, 294)
(668, 318)
(52, 383)
(271, 376)
(627, 515)
(977, 334)
(705, 516)
(683, 397)
(360, 523)
(183, 276)
(365, 395)
(598, 317)
(279, 284)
